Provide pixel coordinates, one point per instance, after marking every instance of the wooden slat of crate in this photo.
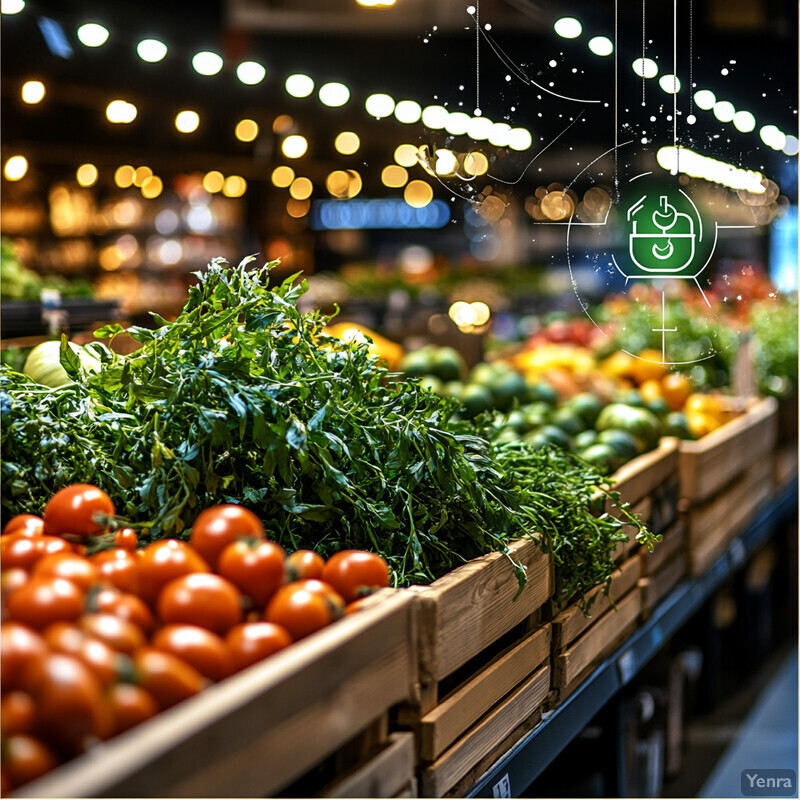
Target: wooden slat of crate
(384, 775)
(256, 732)
(596, 641)
(641, 476)
(465, 706)
(443, 774)
(658, 584)
(672, 542)
(785, 465)
(572, 622)
(708, 464)
(643, 509)
(469, 608)
(712, 525)
(409, 790)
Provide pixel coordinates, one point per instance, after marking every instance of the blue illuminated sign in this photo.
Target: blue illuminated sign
(391, 213)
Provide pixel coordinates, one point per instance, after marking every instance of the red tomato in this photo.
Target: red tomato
(303, 607)
(168, 678)
(118, 567)
(123, 605)
(354, 573)
(118, 634)
(198, 647)
(130, 705)
(10, 580)
(43, 600)
(304, 564)
(67, 697)
(102, 661)
(161, 562)
(26, 758)
(69, 566)
(126, 538)
(20, 650)
(217, 527)
(25, 524)
(251, 642)
(204, 599)
(19, 550)
(79, 509)
(255, 566)
(17, 712)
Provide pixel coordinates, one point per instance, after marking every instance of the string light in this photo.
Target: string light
(213, 181)
(418, 194)
(251, 73)
(347, 143)
(187, 121)
(92, 34)
(406, 155)
(601, 46)
(86, 175)
(299, 85)
(301, 188)
(207, 63)
(151, 50)
(246, 130)
(33, 92)
(234, 186)
(16, 167)
(408, 112)
(152, 187)
(282, 176)
(121, 112)
(379, 105)
(12, 6)
(123, 176)
(333, 94)
(568, 28)
(294, 146)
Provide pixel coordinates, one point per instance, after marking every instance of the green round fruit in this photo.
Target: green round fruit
(516, 421)
(587, 405)
(536, 415)
(416, 363)
(676, 424)
(601, 456)
(508, 388)
(549, 434)
(585, 439)
(622, 442)
(475, 400)
(505, 436)
(659, 406)
(453, 389)
(447, 364)
(431, 383)
(542, 391)
(642, 424)
(568, 420)
(632, 398)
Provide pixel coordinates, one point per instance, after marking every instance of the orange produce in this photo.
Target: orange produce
(676, 388)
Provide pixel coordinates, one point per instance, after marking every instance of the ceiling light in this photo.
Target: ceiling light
(294, 146)
(669, 83)
(121, 112)
(705, 99)
(333, 94)
(187, 121)
(86, 175)
(645, 67)
(92, 35)
(207, 63)
(724, 111)
(251, 72)
(744, 121)
(601, 46)
(568, 27)
(33, 92)
(299, 85)
(15, 168)
(151, 50)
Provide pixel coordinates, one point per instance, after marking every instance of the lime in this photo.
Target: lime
(549, 434)
(601, 456)
(659, 406)
(505, 436)
(416, 363)
(632, 398)
(516, 421)
(448, 364)
(453, 389)
(507, 388)
(642, 424)
(542, 391)
(475, 399)
(431, 383)
(587, 405)
(585, 439)
(536, 415)
(622, 442)
(676, 424)
(568, 420)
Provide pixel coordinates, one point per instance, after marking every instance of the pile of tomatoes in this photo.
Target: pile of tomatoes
(93, 643)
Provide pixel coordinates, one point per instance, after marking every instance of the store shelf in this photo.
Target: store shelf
(516, 770)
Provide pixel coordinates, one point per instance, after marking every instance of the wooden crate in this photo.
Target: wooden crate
(673, 541)
(481, 692)
(470, 608)
(573, 664)
(657, 585)
(570, 623)
(259, 731)
(484, 741)
(713, 462)
(713, 524)
(650, 484)
(389, 772)
(785, 465)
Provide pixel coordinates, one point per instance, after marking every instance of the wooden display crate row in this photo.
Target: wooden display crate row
(673, 541)
(575, 663)
(257, 732)
(570, 623)
(713, 462)
(387, 772)
(657, 585)
(522, 707)
(712, 525)
(646, 473)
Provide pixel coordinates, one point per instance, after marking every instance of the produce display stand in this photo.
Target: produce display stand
(524, 761)
(483, 662)
(256, 733)
(725, 476)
